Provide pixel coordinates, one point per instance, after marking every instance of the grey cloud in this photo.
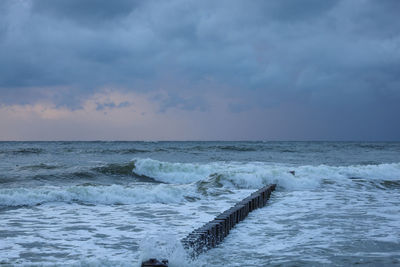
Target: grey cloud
(86, 12)
(293, 11)
(174, 100)
(239, 107)
(265, 53)
(112, 105)
(378, 20)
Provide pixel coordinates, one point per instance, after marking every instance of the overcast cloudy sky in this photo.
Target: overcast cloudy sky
(199, 70)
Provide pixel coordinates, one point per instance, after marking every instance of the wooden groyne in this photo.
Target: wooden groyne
(213, 233)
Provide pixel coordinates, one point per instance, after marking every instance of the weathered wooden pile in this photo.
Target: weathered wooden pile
(213, 232)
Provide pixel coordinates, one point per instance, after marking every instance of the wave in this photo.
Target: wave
(124, 169)
(41, 166)
(177, 173)
(68, 175)
(23, 151)
(237, 148)
(121, 151)
(108, 169)
(92, 194)
(257, 174)
(115, 168)
(50, 173)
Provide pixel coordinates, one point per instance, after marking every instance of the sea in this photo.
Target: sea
(119, 203)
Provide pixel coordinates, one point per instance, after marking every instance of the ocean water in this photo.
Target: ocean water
(116, 203)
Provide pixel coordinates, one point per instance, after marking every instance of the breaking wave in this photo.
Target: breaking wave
(115, 168)
(257, 174)
(183, 181)
(177, 173)
(91, 194)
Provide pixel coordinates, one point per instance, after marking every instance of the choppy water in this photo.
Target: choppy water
(114, 203)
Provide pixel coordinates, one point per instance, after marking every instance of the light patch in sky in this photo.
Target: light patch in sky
(122, 116)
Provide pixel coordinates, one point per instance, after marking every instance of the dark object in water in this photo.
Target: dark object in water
(155, 263)
(212, 233)
(292, 172)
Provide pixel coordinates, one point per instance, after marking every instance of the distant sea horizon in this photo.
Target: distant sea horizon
(116, 203)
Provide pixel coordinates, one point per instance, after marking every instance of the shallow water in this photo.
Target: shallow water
(116, 203)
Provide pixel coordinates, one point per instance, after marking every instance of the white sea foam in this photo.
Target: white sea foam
(178, 173)
(257, 174)
(114, 194)
(165, 247)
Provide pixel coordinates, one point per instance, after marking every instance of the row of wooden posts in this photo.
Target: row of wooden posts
(214, 232)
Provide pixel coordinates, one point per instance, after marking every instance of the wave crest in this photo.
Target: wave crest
(118, 169)
(258, 174)
(113, 194)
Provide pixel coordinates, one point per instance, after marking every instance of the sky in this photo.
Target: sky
(200, 70)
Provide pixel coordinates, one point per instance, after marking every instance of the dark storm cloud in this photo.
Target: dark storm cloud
(289, 10)
(111, 105)
(333, 57)
(87, 12)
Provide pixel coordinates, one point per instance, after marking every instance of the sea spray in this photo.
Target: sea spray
(165, 246)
